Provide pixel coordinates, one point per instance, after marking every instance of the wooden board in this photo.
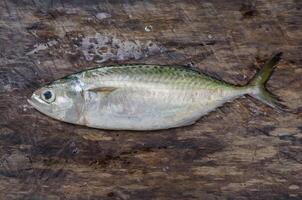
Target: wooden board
(244, 150)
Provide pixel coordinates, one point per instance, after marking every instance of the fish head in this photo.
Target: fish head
(59, 99)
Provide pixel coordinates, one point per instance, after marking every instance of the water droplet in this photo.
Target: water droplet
(165, 168)
(75, 150)
(148, 28)
(102, 15)
(293, 187)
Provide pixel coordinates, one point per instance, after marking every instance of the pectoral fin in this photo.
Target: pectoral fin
(103, 90)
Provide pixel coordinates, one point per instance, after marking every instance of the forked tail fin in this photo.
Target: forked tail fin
(257, 88)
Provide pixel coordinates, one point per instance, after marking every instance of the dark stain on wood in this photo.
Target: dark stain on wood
(248, 11)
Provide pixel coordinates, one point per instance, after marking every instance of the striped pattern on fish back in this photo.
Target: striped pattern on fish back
(176, 76)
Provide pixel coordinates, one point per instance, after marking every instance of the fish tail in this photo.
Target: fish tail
(256, 87)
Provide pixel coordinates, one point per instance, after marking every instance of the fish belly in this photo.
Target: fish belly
(150, 109)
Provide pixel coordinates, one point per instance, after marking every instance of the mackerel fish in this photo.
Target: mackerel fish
(144, 97)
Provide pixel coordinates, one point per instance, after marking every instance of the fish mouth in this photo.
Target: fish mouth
(38, 104)
(31, 102)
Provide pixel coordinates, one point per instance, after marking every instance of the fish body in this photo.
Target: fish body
(139, 97)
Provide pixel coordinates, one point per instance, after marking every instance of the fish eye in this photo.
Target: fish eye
(48, 96)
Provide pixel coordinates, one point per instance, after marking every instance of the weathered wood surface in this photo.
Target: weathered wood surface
(243, 150)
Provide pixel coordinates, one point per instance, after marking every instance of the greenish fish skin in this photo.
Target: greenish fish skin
(143, 97)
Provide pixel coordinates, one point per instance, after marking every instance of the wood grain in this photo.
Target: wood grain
(244, 150)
